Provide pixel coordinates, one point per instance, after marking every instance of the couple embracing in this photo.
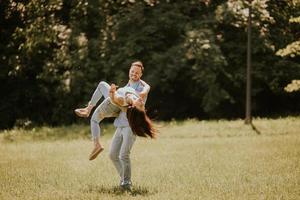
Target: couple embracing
(127, 105)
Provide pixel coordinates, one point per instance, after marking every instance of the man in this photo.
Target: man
(124, 138)
(135, 82)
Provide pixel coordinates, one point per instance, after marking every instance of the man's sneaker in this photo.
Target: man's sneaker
(126, 185)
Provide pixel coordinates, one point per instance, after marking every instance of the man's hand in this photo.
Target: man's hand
(143, 95)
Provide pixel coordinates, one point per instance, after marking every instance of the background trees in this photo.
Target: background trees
(53, 53)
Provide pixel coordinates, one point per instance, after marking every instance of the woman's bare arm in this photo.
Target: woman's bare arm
(114, 98)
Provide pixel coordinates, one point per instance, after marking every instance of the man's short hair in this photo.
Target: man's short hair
(139, 64)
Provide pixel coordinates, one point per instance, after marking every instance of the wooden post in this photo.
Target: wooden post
(248, 118)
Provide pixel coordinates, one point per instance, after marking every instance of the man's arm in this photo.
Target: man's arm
(143, 94)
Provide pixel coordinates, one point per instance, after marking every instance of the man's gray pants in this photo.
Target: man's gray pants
(119, 153)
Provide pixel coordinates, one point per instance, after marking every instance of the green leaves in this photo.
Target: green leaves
(55, 52)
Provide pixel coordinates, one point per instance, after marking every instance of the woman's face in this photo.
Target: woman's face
(139, 103)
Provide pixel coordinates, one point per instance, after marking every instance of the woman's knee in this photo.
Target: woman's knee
(102, 84)
(95, 118)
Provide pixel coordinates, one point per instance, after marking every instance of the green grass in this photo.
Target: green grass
(190, 160)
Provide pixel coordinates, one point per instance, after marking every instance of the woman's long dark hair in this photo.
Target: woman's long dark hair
(140, 123)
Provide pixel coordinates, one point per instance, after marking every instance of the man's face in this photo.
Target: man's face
(135, 73)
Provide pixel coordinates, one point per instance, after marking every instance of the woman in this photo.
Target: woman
(134, 107)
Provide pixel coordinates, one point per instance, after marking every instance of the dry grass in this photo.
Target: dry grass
(190, 160)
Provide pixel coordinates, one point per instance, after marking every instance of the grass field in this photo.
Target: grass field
(190, 160)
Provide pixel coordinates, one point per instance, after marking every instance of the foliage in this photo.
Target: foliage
(54, 52)
(293, 86)
(293, 49)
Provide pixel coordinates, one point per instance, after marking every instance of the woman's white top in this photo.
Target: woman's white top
(128, 92)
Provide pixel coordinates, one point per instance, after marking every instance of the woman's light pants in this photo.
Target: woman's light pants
(104, 110)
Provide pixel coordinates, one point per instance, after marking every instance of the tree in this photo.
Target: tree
(293, 49)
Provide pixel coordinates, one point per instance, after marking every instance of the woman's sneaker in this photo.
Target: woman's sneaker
(95, 152)
(82, 112)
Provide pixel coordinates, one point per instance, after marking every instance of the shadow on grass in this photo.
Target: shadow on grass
(255, 129)
(116, 190)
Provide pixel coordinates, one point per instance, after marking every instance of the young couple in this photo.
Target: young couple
(127, 104)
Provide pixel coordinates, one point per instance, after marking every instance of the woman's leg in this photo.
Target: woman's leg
(101, 90)
(105, 109)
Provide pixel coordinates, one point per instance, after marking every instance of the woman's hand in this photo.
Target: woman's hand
(113, 88)
(112, 91)
(114, 98)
